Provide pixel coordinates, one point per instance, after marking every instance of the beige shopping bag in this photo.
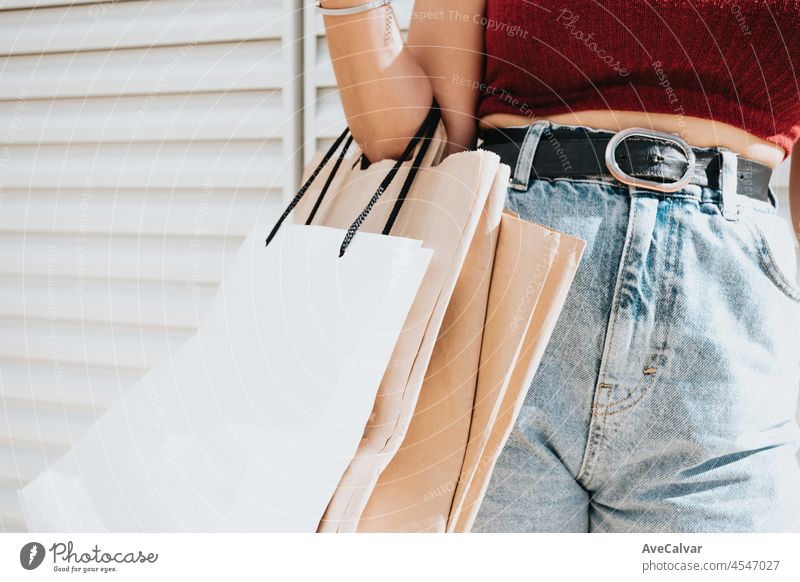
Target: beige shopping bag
(502, 391)
(412, 492)
(442, 208)
(443, 212)
(451, 445)
(419, 457)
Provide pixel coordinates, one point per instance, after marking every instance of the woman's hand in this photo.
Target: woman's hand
(447, 40)
(386, 87)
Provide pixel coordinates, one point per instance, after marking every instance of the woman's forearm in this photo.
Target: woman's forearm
(384, 91)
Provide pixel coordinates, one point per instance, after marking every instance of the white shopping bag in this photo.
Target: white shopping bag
(251, 424)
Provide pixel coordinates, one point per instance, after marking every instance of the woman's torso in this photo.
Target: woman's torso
(716, 72)
(697, 132)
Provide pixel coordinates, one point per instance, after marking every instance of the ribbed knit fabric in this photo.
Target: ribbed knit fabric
(733, 61)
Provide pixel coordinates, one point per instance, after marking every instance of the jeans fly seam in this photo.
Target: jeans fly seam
(669, 283)
(600, 440)
(586, 469)
(643, 386)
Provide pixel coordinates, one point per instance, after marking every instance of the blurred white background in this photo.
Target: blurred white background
(140, 142)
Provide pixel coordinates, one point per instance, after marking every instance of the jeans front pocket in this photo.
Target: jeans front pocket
(776, 246)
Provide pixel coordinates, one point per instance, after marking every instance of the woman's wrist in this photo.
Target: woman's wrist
(341, 3)
(362, 30)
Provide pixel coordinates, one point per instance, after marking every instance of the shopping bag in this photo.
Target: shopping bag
(506, 376)
(250, 425)
(418, 461)
(414, 492)
(445, 452)
(442, 205)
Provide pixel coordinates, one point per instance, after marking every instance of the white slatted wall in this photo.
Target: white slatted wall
(140, 141)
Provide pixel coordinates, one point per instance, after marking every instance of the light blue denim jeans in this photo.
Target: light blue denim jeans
(666, 399)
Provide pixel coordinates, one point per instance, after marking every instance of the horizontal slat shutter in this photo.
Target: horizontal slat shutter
(139, 142)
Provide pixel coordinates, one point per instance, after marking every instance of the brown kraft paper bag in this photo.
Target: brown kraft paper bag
(491, 429)
(443, 208)
(433, 449)
(461, 395)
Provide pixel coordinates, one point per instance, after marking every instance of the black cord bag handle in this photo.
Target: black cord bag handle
(424, 133)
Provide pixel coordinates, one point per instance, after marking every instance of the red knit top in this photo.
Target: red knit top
(733, 61)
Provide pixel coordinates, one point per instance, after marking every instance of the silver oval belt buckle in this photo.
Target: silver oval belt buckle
(619, 174)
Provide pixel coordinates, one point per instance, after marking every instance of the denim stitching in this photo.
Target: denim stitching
(768, 264)
(669, 284)
(643, 389)
(644, 384)
(588, 464)
(635, 392)
(623, 260)
(600, 440)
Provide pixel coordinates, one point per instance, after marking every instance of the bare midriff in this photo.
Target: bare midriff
(694, 130)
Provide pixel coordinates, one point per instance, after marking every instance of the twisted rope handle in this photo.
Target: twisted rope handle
(304, 188)
(425, 133)
(328, 182)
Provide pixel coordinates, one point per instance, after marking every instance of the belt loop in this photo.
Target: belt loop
(728, 179)
(772, 198)
(522, 171)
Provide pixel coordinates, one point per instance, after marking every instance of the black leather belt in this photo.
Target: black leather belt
(653, 160)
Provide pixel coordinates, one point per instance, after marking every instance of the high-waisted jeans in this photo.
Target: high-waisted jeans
(667, 397)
